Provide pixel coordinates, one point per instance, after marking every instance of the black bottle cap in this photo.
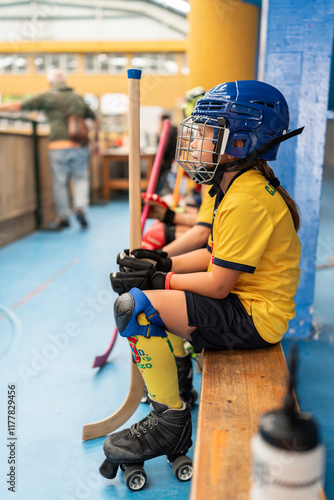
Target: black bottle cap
(287, 428)
(297, 432)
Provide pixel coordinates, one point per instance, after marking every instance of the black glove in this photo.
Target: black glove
(158, 258)
(149, 279)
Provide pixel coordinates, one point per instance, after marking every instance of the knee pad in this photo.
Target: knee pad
(126, 309)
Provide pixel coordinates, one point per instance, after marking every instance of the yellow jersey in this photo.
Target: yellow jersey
(205, 213)
(253, 232)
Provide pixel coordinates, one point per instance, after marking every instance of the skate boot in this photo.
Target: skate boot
(185, 375)
(164, 431)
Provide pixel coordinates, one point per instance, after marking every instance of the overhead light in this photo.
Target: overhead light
(185, 71)
(102, 57)
(171, 66)
(20, 62)
(139, 61)
(7, 61)
(39, 61)
(119, 61)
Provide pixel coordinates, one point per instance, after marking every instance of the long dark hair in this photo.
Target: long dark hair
(264, 168)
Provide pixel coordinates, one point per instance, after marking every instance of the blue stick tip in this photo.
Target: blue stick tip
(134, 73)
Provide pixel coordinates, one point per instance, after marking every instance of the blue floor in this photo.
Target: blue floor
(316, 355)
(56, 315)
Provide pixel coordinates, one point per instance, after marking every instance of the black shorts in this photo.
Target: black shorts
(221, 324)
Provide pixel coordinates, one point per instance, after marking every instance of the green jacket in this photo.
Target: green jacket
(48, 103)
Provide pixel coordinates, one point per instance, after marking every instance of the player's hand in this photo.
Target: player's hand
(156, 257)
(149, 279)
(158, 208)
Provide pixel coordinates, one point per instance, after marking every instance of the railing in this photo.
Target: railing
(20, 176)
(26, 195)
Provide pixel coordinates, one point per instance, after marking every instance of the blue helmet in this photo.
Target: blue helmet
(255, 112)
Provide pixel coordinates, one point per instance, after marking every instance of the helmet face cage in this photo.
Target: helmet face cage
(211, 140)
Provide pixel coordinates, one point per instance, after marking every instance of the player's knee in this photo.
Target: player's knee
(126, 309)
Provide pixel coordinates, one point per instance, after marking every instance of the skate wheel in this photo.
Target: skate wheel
(123, 467)
(135, 477)
(108, 470)
(183, 468)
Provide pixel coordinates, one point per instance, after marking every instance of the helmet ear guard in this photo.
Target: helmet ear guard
(223, 135)
(248, 140)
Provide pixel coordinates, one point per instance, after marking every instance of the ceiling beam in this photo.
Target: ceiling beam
(161, 14)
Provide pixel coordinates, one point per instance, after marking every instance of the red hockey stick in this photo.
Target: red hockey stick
(155, 170)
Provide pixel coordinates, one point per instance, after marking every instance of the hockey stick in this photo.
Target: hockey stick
(103, 427)
(99, 361)
(155, 169)
(177, 186)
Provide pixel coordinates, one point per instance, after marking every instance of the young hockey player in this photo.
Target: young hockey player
(236, 293)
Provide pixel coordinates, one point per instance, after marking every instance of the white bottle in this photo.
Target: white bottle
(288, 457)
(287, 468)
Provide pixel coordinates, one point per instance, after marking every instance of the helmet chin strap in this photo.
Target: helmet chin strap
(231, 166)
(249, 161)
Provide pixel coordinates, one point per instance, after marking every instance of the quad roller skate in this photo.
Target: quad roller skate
(185, 375)
(164, 431)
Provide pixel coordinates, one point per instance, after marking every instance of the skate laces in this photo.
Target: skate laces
(142, 426)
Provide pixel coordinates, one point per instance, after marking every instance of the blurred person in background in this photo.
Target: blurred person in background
(68, 153)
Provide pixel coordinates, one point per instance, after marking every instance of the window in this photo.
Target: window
(67, 62)
(155, 62)
(13, 64)
(105, 63)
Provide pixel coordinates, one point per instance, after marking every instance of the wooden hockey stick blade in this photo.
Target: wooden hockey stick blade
(100, 361)
(110, 424)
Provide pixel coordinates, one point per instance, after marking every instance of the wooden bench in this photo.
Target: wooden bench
(237, 388)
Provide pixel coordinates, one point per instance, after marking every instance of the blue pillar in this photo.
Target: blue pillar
(295, 56)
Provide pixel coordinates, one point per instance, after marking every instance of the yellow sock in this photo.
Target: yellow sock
(156, 362)
(177, 343)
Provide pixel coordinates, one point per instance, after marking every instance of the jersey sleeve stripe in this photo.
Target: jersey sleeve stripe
(234, 265)
(206, 224)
